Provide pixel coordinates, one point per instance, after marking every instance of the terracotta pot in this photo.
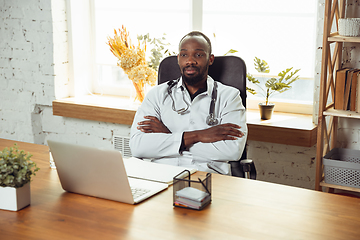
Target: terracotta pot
(266, 110)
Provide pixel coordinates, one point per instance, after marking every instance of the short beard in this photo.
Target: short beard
(192, 81)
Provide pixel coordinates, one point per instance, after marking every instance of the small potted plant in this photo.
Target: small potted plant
(16, 170)
(272, 85)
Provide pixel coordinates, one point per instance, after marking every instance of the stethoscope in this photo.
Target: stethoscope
(210, 120)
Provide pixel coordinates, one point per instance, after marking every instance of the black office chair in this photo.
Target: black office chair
(229, 70)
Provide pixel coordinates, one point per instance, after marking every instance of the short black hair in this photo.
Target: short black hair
(197, 33)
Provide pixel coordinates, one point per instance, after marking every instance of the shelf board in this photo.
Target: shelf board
(335, 37)
(96, 108)
(341, 113)
(324, 184)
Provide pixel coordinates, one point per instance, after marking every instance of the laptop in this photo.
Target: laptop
(99, 173)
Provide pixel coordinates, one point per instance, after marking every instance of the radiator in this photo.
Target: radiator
(121, 144)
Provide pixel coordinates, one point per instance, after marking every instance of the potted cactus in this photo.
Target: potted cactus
(272, 85)
(16, 170)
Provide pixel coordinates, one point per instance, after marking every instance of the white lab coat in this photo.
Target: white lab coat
(164, 148)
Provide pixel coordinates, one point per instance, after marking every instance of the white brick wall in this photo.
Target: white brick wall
(284, 164)
(34, 69)
(33, 60)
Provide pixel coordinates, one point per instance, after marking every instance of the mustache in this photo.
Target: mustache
(191, 66)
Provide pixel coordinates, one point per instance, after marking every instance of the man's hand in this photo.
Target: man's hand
(153, 125)
(227, 131)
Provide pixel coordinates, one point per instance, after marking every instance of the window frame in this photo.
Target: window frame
(83, 69)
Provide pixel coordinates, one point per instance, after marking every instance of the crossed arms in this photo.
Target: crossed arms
(227, 131)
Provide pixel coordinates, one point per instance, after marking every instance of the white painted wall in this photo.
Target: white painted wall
(34, 69)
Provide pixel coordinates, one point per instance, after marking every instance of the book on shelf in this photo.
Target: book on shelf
(340, 86)
(347, 89)
(357, 97)
(355, 88)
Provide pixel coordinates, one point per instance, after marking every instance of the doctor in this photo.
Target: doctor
(173, 125)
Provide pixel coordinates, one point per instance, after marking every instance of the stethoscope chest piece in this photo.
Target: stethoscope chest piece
(211, 121)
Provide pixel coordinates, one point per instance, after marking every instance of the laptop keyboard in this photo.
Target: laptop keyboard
(137, 192)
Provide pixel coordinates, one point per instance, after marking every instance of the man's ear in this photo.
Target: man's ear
(211, 59)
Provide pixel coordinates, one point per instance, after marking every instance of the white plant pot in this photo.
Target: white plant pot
(14, 199)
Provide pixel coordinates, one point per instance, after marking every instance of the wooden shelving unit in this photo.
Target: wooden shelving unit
(328, 116)
(334, 37)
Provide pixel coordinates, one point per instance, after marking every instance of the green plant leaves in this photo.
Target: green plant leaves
(230, 51)
(250, 90)
(261, 66)
(276, 85)
(272, 85)
(16, 168)
(158, 51)
(252, 79)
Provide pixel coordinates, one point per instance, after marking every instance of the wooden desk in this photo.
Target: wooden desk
(241, 209)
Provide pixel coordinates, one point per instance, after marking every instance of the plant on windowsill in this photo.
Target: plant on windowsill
(272, 85)
(132, 60)
(16, 170)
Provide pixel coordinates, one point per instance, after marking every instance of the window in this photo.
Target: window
(282, 32)
(139, 17)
